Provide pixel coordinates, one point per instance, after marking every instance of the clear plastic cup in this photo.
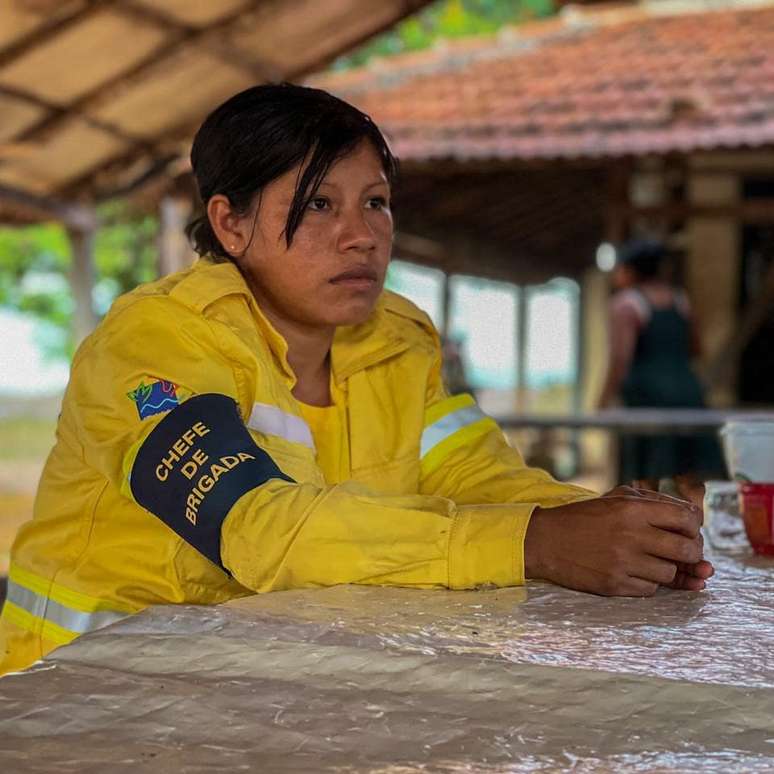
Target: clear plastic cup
(748, 446)
(723, 525)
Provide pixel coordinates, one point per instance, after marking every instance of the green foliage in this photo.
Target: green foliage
(33, 266)
(41, 249)
(35, 261)
(447, 19)
(125, 252)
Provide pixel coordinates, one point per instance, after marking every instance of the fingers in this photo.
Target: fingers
(673, 516)
(623, 544)
(702, 569)
(676, 548)
(692, 577)
(654, 570)
(640, 491)
(661, 497)
(650, 494)
(663, 511)
(686, 582)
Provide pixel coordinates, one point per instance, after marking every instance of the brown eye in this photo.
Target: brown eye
(318, 203)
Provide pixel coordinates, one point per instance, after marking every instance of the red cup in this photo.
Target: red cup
(758, 513)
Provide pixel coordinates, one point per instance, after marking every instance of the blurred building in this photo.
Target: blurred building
(525, 152)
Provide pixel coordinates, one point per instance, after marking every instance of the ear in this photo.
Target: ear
(230, 228)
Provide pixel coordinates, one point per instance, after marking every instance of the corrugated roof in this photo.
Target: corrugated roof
(94, 93)
(590, 83)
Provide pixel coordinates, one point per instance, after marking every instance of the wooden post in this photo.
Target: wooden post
(445, 306)
(175, 254)
(522, 347)
(82, 281)
(713, 274)
(578, 395)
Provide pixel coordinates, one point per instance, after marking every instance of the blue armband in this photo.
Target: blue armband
(195, 464)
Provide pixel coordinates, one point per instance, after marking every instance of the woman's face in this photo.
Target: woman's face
(334, 269)
(623, 277)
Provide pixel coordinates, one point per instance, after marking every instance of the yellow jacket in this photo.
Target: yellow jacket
(181, 400)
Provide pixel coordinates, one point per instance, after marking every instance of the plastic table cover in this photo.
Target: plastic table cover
(356, 679)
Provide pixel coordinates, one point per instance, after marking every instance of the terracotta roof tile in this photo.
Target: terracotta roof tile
(590, 84)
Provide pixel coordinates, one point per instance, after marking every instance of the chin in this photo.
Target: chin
(352, 314)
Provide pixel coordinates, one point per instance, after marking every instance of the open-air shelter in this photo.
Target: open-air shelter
(523, 152)
(99, 97)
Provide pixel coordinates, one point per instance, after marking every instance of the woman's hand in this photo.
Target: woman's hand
(689, 577)
(625, 543)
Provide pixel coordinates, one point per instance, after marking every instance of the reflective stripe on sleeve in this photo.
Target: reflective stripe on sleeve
(271, 420)
(449, 425)
(55, 619)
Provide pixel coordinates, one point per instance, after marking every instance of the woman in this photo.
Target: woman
(653, 340)
(272, 419)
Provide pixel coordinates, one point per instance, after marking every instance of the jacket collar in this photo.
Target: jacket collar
(354, 348)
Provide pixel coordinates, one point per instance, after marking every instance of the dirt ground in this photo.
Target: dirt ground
(15, 509)
(24, 446)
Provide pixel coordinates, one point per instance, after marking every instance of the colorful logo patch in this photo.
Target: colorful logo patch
(154, 398)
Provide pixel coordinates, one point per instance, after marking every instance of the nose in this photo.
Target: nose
(356, 233)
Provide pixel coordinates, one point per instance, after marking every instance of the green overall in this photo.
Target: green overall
(660, 376)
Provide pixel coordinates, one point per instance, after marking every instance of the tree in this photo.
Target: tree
(447, 19)
(35, 261)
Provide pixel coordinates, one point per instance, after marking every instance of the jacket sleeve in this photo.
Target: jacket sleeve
(160, 407)
(466, 458)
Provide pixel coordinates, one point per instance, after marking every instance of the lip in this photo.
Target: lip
(361, 276)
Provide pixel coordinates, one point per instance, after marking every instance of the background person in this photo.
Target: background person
(272, 419)
(653, 339)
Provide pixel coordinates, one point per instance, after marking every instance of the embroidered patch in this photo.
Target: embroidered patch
(154, 398)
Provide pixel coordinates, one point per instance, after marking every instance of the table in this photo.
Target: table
(356, 679)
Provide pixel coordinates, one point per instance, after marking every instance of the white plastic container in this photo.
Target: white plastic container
(748, 446)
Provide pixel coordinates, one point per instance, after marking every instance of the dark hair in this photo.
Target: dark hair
(645, 256)
(265, 131)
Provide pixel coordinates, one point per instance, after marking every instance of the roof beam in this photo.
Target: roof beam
(228, 53)
(181, 36)
(206, 37)
(158, 166)
(54, 24)
(87, 184)
(66, 113)
(76, 216)
(459, 251)
(747, 211)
